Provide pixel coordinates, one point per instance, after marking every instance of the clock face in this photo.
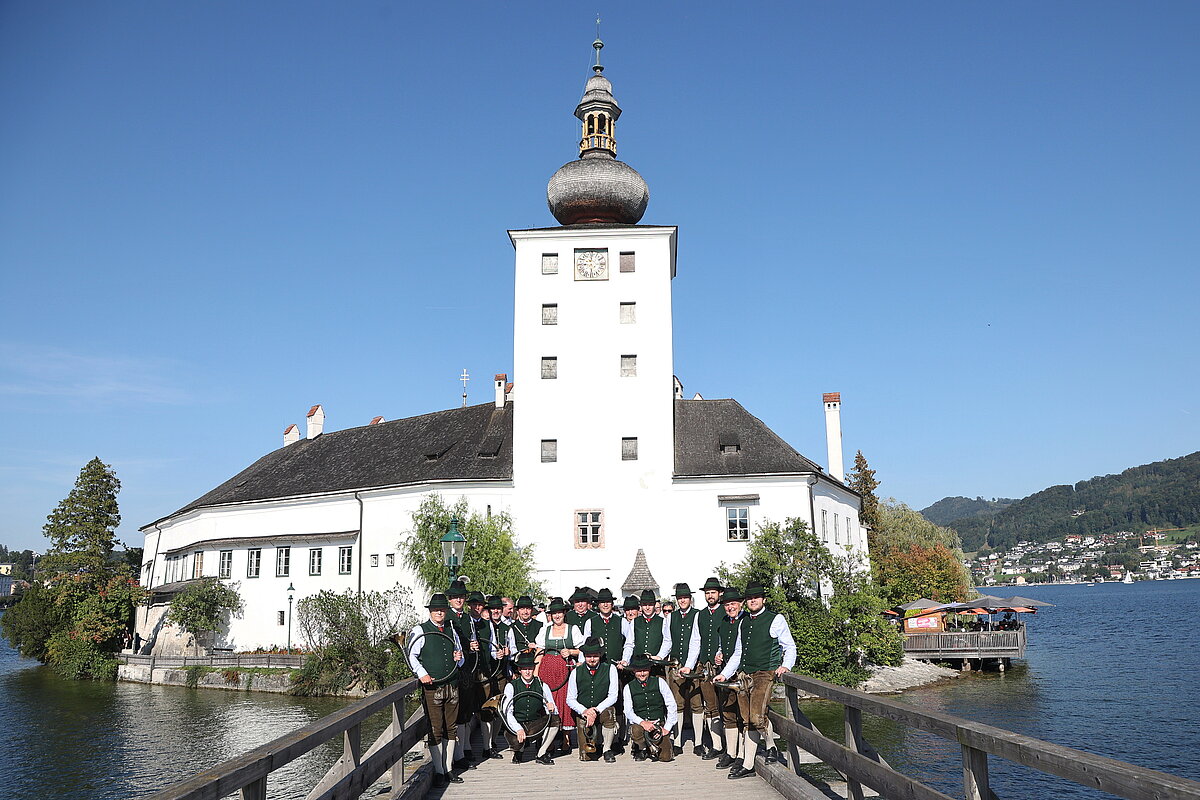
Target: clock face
(591, 265)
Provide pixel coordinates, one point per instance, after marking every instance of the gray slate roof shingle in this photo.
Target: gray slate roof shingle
(475, 443)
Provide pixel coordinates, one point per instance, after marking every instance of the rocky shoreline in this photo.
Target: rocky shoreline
(909, 675)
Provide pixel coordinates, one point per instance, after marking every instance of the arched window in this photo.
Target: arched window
(591, 123)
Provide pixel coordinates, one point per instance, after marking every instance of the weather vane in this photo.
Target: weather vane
(598, 44)
(464, 378)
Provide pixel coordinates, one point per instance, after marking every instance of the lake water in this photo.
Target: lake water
(1112, 669)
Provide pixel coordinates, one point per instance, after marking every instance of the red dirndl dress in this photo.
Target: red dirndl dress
(554, 671)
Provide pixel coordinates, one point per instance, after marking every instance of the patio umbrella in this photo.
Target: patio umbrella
(1027, 602)
(921, 603)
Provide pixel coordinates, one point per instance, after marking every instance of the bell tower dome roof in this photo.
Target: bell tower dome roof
(597, 187)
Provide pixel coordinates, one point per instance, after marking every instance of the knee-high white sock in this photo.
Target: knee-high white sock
(462, 732)
(435, 758)
(716, 729)
(447, 758)
(491, 729)
(736, 748)
(547, 740)
(697, 729)
(754, 739)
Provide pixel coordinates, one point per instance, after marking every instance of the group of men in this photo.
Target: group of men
(635, 675)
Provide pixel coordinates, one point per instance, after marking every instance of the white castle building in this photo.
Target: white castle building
(593, 449)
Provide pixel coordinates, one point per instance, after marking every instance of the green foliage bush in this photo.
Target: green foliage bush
(78, 658)
(204, 607)
(29, 624)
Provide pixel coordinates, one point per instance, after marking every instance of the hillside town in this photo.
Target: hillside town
(1120, 556)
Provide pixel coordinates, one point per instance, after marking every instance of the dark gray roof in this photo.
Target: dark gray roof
(473, 443)
(703, 426)
(639, 577)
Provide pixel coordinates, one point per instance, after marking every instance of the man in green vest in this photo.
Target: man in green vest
(651, 710)
(456, 594)
(529, 712)
(729, 645)
(648, 634)
(523, 632)
(703, 664)
(685, 651)
(581, 614)
(479, 667)
(592, 695)
(767, 651)
(608, 626)
(495, 671)
(435, 654)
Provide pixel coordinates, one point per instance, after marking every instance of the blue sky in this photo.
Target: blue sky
(979, 222)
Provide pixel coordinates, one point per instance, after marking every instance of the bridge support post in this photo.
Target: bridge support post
(256, 790)
(854, 743)
(398, 731)
(975, 774)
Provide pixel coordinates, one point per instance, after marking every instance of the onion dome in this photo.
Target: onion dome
(597, 187)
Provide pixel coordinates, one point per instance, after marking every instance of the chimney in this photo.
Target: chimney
(291, 435)
(833, 432)
(377, 420)
(501, 389)
(316, 421)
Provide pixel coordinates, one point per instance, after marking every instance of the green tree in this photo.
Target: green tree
(353, 640)
(910, 555)
(82, 528)
(30, 623)
(835, 642)
(204, 607)
(493, 559)
(862, 480)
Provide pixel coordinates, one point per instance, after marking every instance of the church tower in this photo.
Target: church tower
(593, 436)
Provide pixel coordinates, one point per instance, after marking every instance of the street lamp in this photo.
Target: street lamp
(290, 590)
(453, 546)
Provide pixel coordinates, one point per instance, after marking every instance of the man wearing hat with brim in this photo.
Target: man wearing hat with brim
(649, 705)
(457, 593)
(581, 614)
(494, 672)
(527, 700)
(685, 651)
(435, 654)
(767, 651)
(479, 667)
(648, 634)
(729, 646)
(592, 695)
(703, 667)
(524, 630)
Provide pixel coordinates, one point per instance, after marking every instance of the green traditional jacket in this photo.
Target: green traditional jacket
(647, 699)
(760, 651)
(728, 631)
(437, 653)
(681, 633)
(528, 707)
(647, 635)
(708, 622)
(592, 690)
(526, 633)
(610, 632)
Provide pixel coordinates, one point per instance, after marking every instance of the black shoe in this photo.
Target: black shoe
(726, 761)
(517, 757)
(676, 751)
(610, 757)
(491, 754)
(709, 754)
(698, 750)
(773, 756)
(544, 760)
(740, 772)
(638, 754)
(455, 778)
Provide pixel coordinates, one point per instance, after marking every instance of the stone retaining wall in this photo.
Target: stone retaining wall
(279, 682)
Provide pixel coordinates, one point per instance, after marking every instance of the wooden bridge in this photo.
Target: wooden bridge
(380, 769)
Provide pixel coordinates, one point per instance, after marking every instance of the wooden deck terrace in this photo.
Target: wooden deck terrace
(380, 770)
(967, 644)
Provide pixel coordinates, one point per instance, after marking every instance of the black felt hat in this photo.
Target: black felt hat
(495, 601)
(631, 602)
(526, 660)
(640, 661)
(438, 601)
(732, 593)
(683, 590)
(605, 595)
(712, 583)
(457, 589)
(524, 601)
(580, 595)
(477, 597)
(592, 646)
(556, 605)
(648, 598)
(756, 589)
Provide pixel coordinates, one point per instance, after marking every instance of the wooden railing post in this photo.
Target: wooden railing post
(854, 741)
(351, 748)
(975, 774)
(798, 717)
(397, 731)
(256, 790)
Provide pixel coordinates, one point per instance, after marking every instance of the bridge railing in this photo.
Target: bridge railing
(293, 660)
(861, 765)
(966, 644)
(347, 779)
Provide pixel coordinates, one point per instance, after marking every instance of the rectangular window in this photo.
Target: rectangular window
(314, 561)
(628, 366)
(628, 313)
(589, 528)
(375, 559)
(225, 564)
(629, 448)
(824, 525)
(253, 562)
(549, 368)
(837, 533)
(283, 562)
(737, 524)
(197, 564)
(549, 263)
(345, 560)
(549, 313)
(849, 531)
(281, 617)
(627, 263)
(389, 560)
(549, 450)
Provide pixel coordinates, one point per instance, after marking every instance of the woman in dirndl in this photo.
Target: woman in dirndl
(559, 645)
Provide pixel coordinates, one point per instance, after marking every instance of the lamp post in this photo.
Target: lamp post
(453, 546)
(290, 590)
